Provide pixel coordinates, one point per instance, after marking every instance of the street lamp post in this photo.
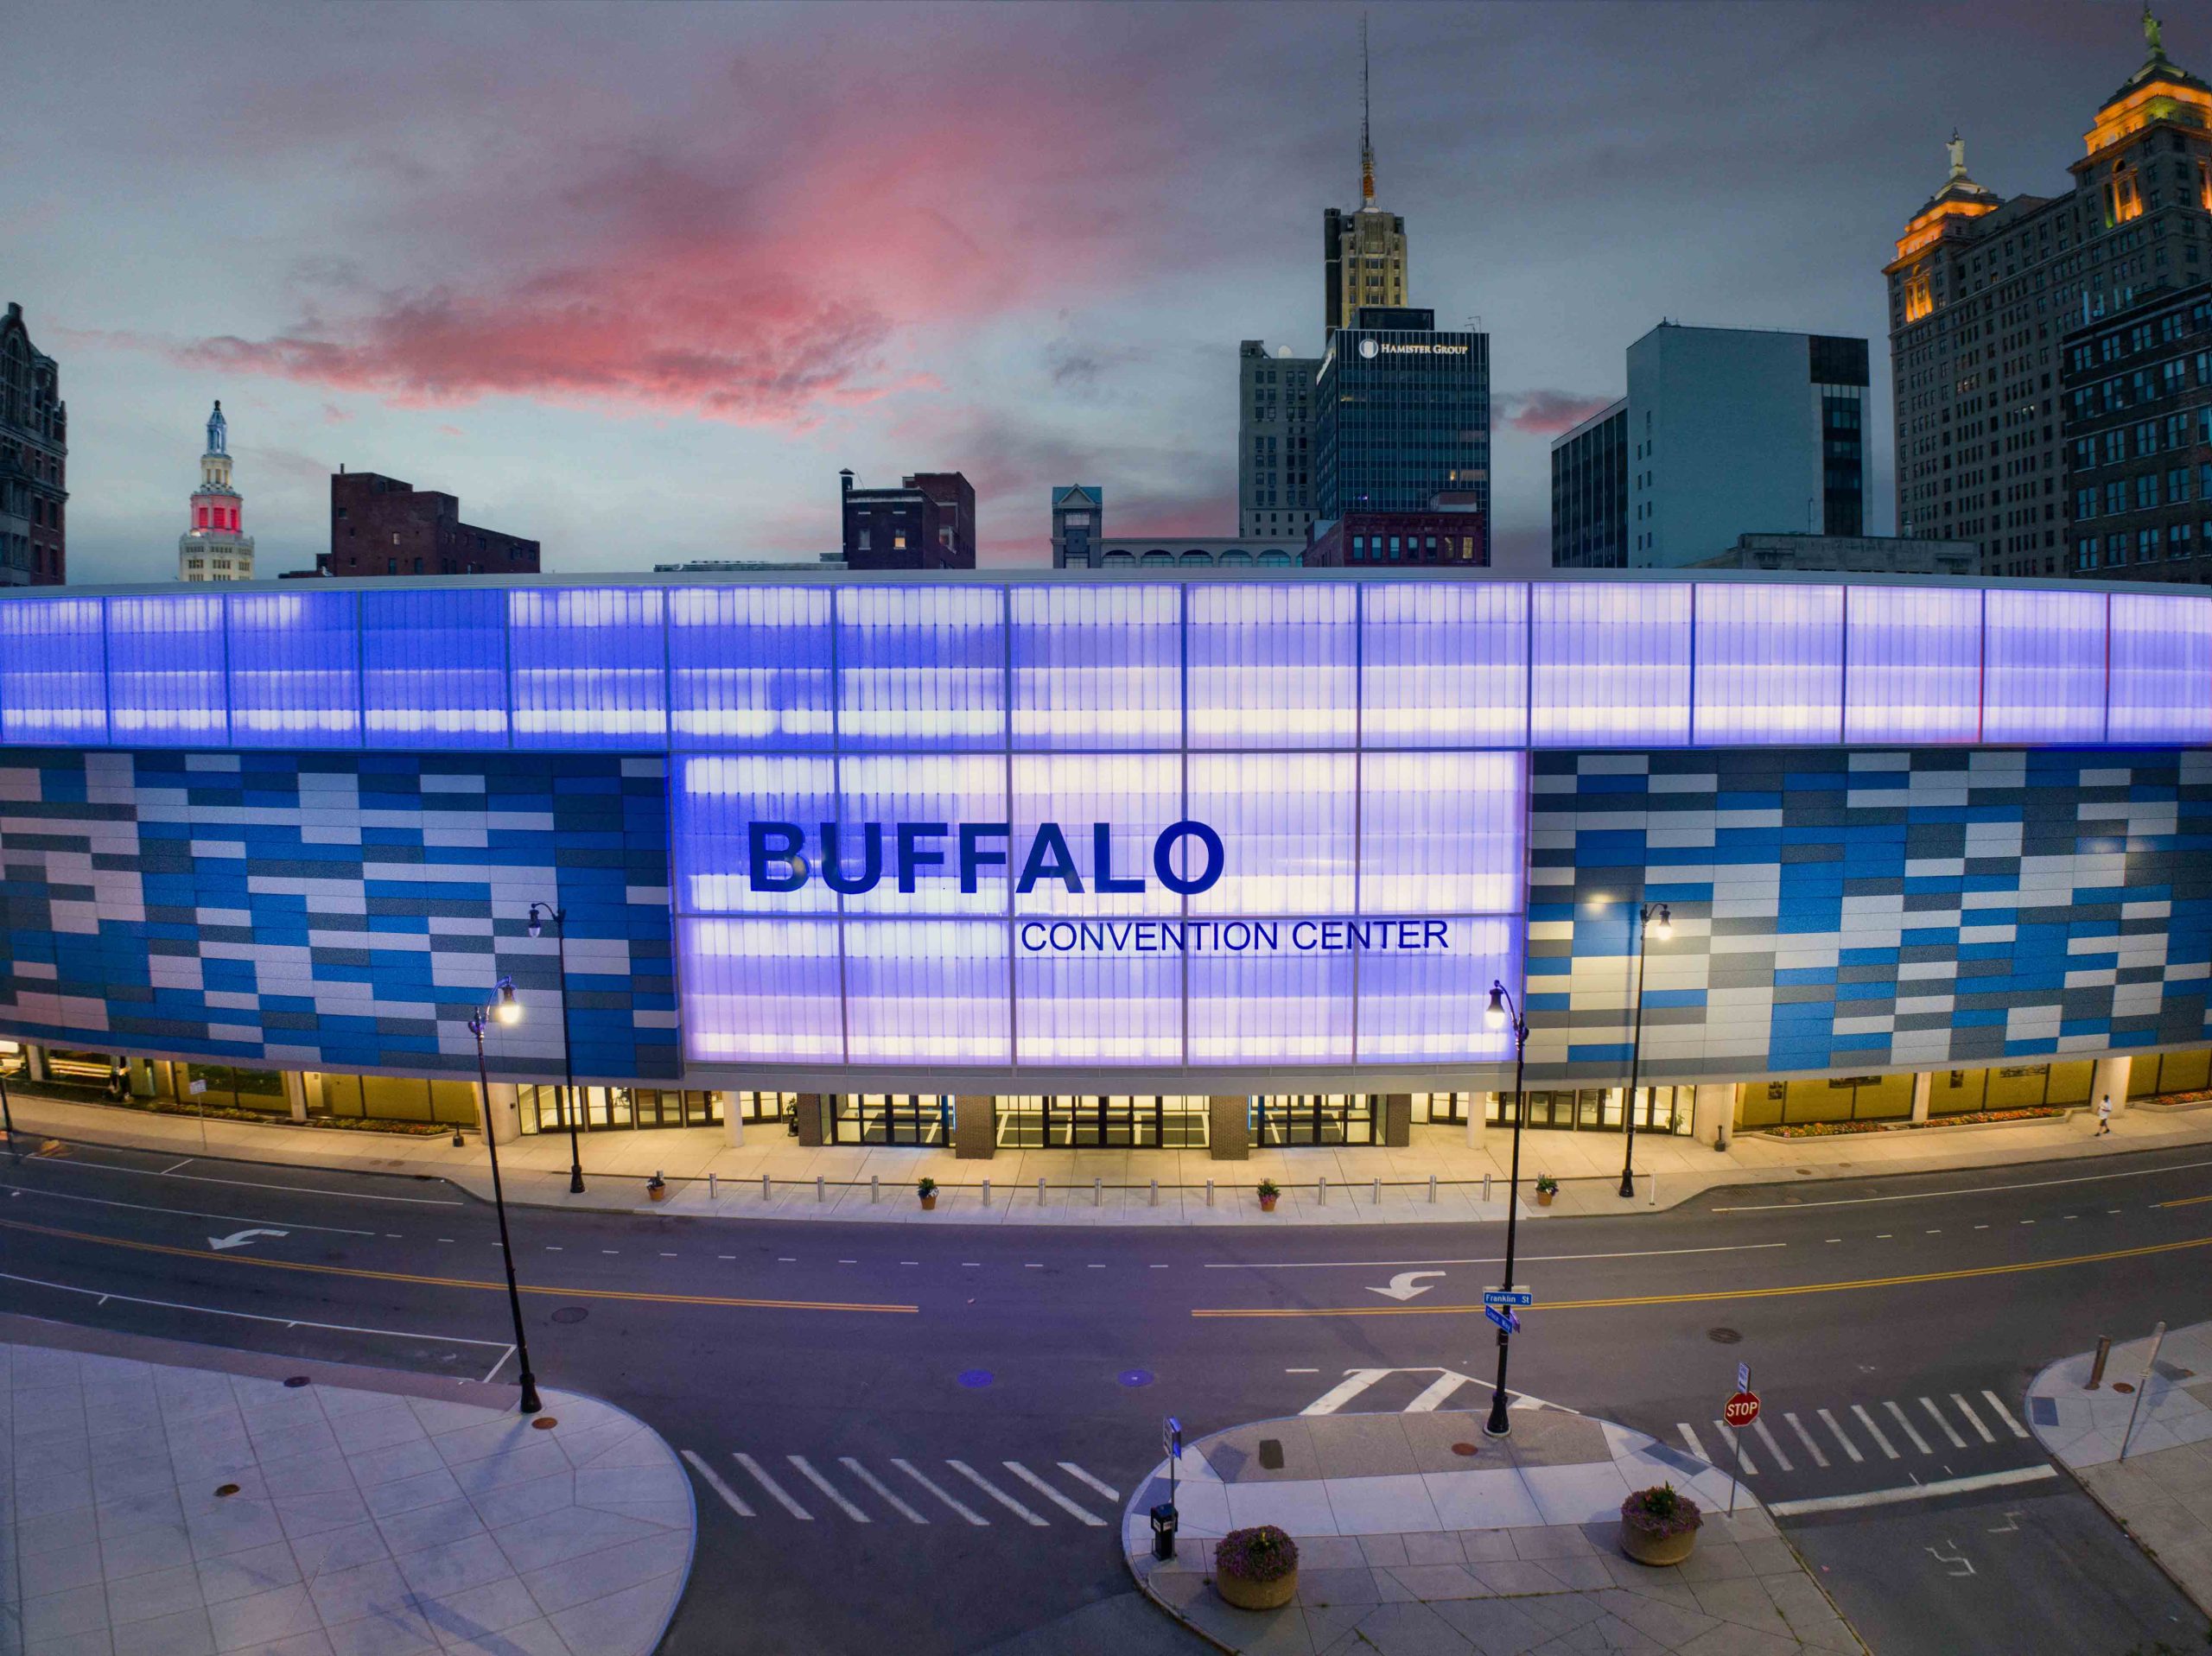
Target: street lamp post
(505, 1008)
(1665, 916)
(569, 1101)
(8, 1116)
(1503, 1005)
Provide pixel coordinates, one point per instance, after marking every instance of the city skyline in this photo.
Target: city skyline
(640, 295)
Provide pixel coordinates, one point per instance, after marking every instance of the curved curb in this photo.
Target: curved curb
(682, 1576)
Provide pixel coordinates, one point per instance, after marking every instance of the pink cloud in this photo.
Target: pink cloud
(1547, 413)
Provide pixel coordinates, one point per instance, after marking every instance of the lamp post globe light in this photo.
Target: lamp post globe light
(539, 913)
(1505, 1012)
(1653, 919)
(506, 1010)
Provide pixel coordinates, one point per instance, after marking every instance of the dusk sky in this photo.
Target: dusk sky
(637, 280)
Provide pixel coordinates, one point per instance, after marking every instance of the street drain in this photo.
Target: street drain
(2122, 1385)
(297, 1380)
(571, 1314)
(1466, 1449)
(227, 1489)
(1271, 1454)
(1724, 1336)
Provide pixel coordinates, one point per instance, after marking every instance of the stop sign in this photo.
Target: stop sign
(1741, 1410)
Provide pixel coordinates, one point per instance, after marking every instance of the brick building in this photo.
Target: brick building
(34, 460)
(927, 523)
(1451, 531)
(381, 526)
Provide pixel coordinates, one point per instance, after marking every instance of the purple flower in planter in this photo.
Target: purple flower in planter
(1260, 1553)
(1661, 1511)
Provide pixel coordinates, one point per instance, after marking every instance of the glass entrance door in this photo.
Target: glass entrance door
(924, 1118)
(1314, 1119)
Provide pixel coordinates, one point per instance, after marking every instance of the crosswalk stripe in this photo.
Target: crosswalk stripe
(1873, 1430)
(2006, 1414)
(1052, 1494)
(1082, 1476)
(1849, 1448)
(970, 1513)
(1936, 1414)
(1772, 1447)
(730, 1497)
(1751, 1468)
(1344, 1391)
(995, 1492)
(828, 1489)
(877, 1484)
(1806, 1438)
(1433, 1396)
(1918, 1441)
(1690, 1438)
(1974, 1419)
(761, 1477)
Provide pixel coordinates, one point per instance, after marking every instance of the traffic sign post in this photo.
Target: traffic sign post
(1515, 1296)
(1743, 1377)
(1165, 1519)
(1503, 1317)
(1738, 1414)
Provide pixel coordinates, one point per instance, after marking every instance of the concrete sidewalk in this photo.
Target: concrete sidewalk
(2162, 1492)
(1409, 1545)
(152, 1509)
(1320, 1186)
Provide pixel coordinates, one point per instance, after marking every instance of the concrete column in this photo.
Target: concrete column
(1712, 1114)
(1477, 1124)
(2111, 1076)
(1924, 1087)
(975, 1127)
(733, 1121)
(1229, 1129)
(33, 1062)
(813, 1112)
(505, 1123)
(142, 1077)
(296, 1094)
(1397, 1122)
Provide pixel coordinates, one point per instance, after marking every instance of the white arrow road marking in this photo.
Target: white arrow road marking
(240, 1238)
(1405, 1285)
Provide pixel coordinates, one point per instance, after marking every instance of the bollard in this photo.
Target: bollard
(874, 1187)
(1209, 1193)
(1375, 1195)
(1096, 1185)
(1155, 1193)
(710, 1187)
(1485, 1187)
(2097, 1368)
(765, 1197)
(1431, 1189)
(1040, 1190)
(1655, 1189)
(986, 1196)
(1321, 1191)
(820, 1187)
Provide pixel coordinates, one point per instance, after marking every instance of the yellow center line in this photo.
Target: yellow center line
(2183, 1201)
(1716, 1293)
(457, 1282)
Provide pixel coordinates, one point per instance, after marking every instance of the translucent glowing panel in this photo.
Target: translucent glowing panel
(1272, 666)
(926, 989)
(1078, 1001)
(1913, 664)
(165, 670)
(434, 668)
(2043, 667)
(1252, 1001)
(1444, 665)
(295, 668)
(921, 667)
(761, 989)
(2161, 686)
(1440, 833)
(1286, 826)
(1136, 795)
(714, 804)
(1770, 664)
(588, 666)
(1428, 1003)
(1612, 663)
(749, 666)
(53, 670)
(918, 807)
(1097, 666)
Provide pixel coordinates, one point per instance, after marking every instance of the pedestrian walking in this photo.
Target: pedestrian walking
(2104, 1117)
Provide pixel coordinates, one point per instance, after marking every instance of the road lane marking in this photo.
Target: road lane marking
(996, 1493)
(1737, 1453)
(2005, 1414)
(761, 1477)
(1082, 1476)
(1911, 1492)
(103, 1295)
(2184, 1201)
(1949, 1430)
(731, 1498)
(1918, 1441)
(1706, 1296)
(1806, 1438)
(1521, 1259)
(1344, 1391)
(1773, 1447)
(1982, 1189)
(1974, 1419)
(1873, 1430)
(894, 1502)
(634, 1296)
(1433, 1396)
(247, 1185)
(1052, 1494)
(972, 1516)
(185, 1213)
(186, 1162)
(1690, 1438)
(828, 1489)
(1849, 1448)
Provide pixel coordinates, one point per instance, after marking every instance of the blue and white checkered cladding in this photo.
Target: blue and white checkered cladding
(1847, 911)
(337, 911)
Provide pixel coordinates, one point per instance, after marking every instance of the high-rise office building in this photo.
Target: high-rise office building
(2136, 411)
(1079, 525)
(216, 546)
(1363, 251)
(1275, 440)
(1984, 288)
(381, 526)
(927, 523)
(1402, 415)
(34, 460)
(1590, 491)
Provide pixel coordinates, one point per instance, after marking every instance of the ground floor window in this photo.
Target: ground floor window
(1101, 1121)
(1597, 1109)
(392, 1098)
(1316, 1119)
(2158, 1074)
(548, 1107)
(923, 1119)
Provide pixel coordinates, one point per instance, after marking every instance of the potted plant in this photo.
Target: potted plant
(657, 1187)
(1269, 1195)
(927, 1189)
(1659, 1526)
(1255, 1569)
(1546, 1187)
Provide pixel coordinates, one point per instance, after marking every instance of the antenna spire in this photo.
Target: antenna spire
(1366, 148)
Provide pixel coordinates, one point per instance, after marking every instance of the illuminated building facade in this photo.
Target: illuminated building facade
(216, 546)
(1402, 415)
(1983, 290)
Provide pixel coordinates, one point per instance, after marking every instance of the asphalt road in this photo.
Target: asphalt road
(916, 1429)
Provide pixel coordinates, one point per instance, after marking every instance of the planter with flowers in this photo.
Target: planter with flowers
(1255, 1569)
(1269, 1195)
(657, 1187)
(926, 1189)
(1546, 1187)
(1659, 1524)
